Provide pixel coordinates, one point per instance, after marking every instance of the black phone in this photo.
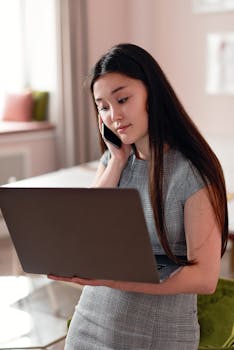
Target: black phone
(109, 136)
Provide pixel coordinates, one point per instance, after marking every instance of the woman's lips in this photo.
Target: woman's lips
(122, 129)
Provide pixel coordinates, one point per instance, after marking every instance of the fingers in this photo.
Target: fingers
(77, 280)
(59, 278)
(80, 281)
(100, 123)
(52, 277)
(121, 285)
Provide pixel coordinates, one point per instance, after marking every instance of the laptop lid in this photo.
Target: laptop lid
(95, 233)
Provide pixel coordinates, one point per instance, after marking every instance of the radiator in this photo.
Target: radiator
(13, 166)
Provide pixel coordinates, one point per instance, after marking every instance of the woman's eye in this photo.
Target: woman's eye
(102, 109)
(122, 100)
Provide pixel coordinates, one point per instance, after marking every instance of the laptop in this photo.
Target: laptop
(94, 233)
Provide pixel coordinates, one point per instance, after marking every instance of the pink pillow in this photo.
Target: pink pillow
(18, 107)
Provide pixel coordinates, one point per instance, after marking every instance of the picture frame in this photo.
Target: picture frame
(209, 6)
(220, 63)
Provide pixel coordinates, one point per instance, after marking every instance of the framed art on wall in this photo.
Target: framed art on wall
(206, 6)
(220, 63)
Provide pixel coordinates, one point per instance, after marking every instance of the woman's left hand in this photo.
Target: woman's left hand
(121, 285)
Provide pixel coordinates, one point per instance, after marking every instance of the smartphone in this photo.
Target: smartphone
(109, 136)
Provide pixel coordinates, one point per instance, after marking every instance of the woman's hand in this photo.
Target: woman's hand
(109, 176)
(138, 287)
(119, 154)
(92, 282)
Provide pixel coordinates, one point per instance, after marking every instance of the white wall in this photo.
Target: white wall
(180, 38)
(176, 37)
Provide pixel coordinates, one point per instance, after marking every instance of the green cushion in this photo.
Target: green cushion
(216, 317)
(40, 104)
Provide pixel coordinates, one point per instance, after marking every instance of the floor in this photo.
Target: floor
(35, 309)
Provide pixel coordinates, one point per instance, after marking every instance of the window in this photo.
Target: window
(28, 45)
(11, 58)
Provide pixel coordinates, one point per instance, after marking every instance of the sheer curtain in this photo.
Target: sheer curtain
(27, 45)
(78, 142)
(11, 48)
(43, 46)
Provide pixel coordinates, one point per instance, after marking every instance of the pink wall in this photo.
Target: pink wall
(180, 48)
(107, 25)
(177, 39)
(110, 22)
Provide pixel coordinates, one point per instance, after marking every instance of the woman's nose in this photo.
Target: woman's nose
(116, 114)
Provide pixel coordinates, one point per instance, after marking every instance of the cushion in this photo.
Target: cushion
(216, 317)
(40, 103)
(18, 106)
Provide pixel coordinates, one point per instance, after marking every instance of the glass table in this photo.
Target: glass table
(34, 311)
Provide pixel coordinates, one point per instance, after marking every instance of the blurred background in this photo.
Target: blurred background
(51, 45)
(47, 121)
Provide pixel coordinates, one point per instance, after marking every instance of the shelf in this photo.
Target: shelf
(7, 128)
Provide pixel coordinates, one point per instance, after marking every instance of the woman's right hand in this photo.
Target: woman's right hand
(109, 176)
(119, 155)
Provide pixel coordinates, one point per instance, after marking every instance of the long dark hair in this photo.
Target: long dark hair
(169, 124)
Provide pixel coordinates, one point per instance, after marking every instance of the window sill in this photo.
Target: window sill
(7, 128)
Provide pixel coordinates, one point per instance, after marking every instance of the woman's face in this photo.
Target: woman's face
(122, 105)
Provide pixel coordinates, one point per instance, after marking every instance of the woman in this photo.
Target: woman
(182, 189)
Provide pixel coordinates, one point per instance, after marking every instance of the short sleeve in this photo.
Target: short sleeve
(105, 158)
(193, 181)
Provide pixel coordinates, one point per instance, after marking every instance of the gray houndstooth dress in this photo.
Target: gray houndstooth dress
(110, 319)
